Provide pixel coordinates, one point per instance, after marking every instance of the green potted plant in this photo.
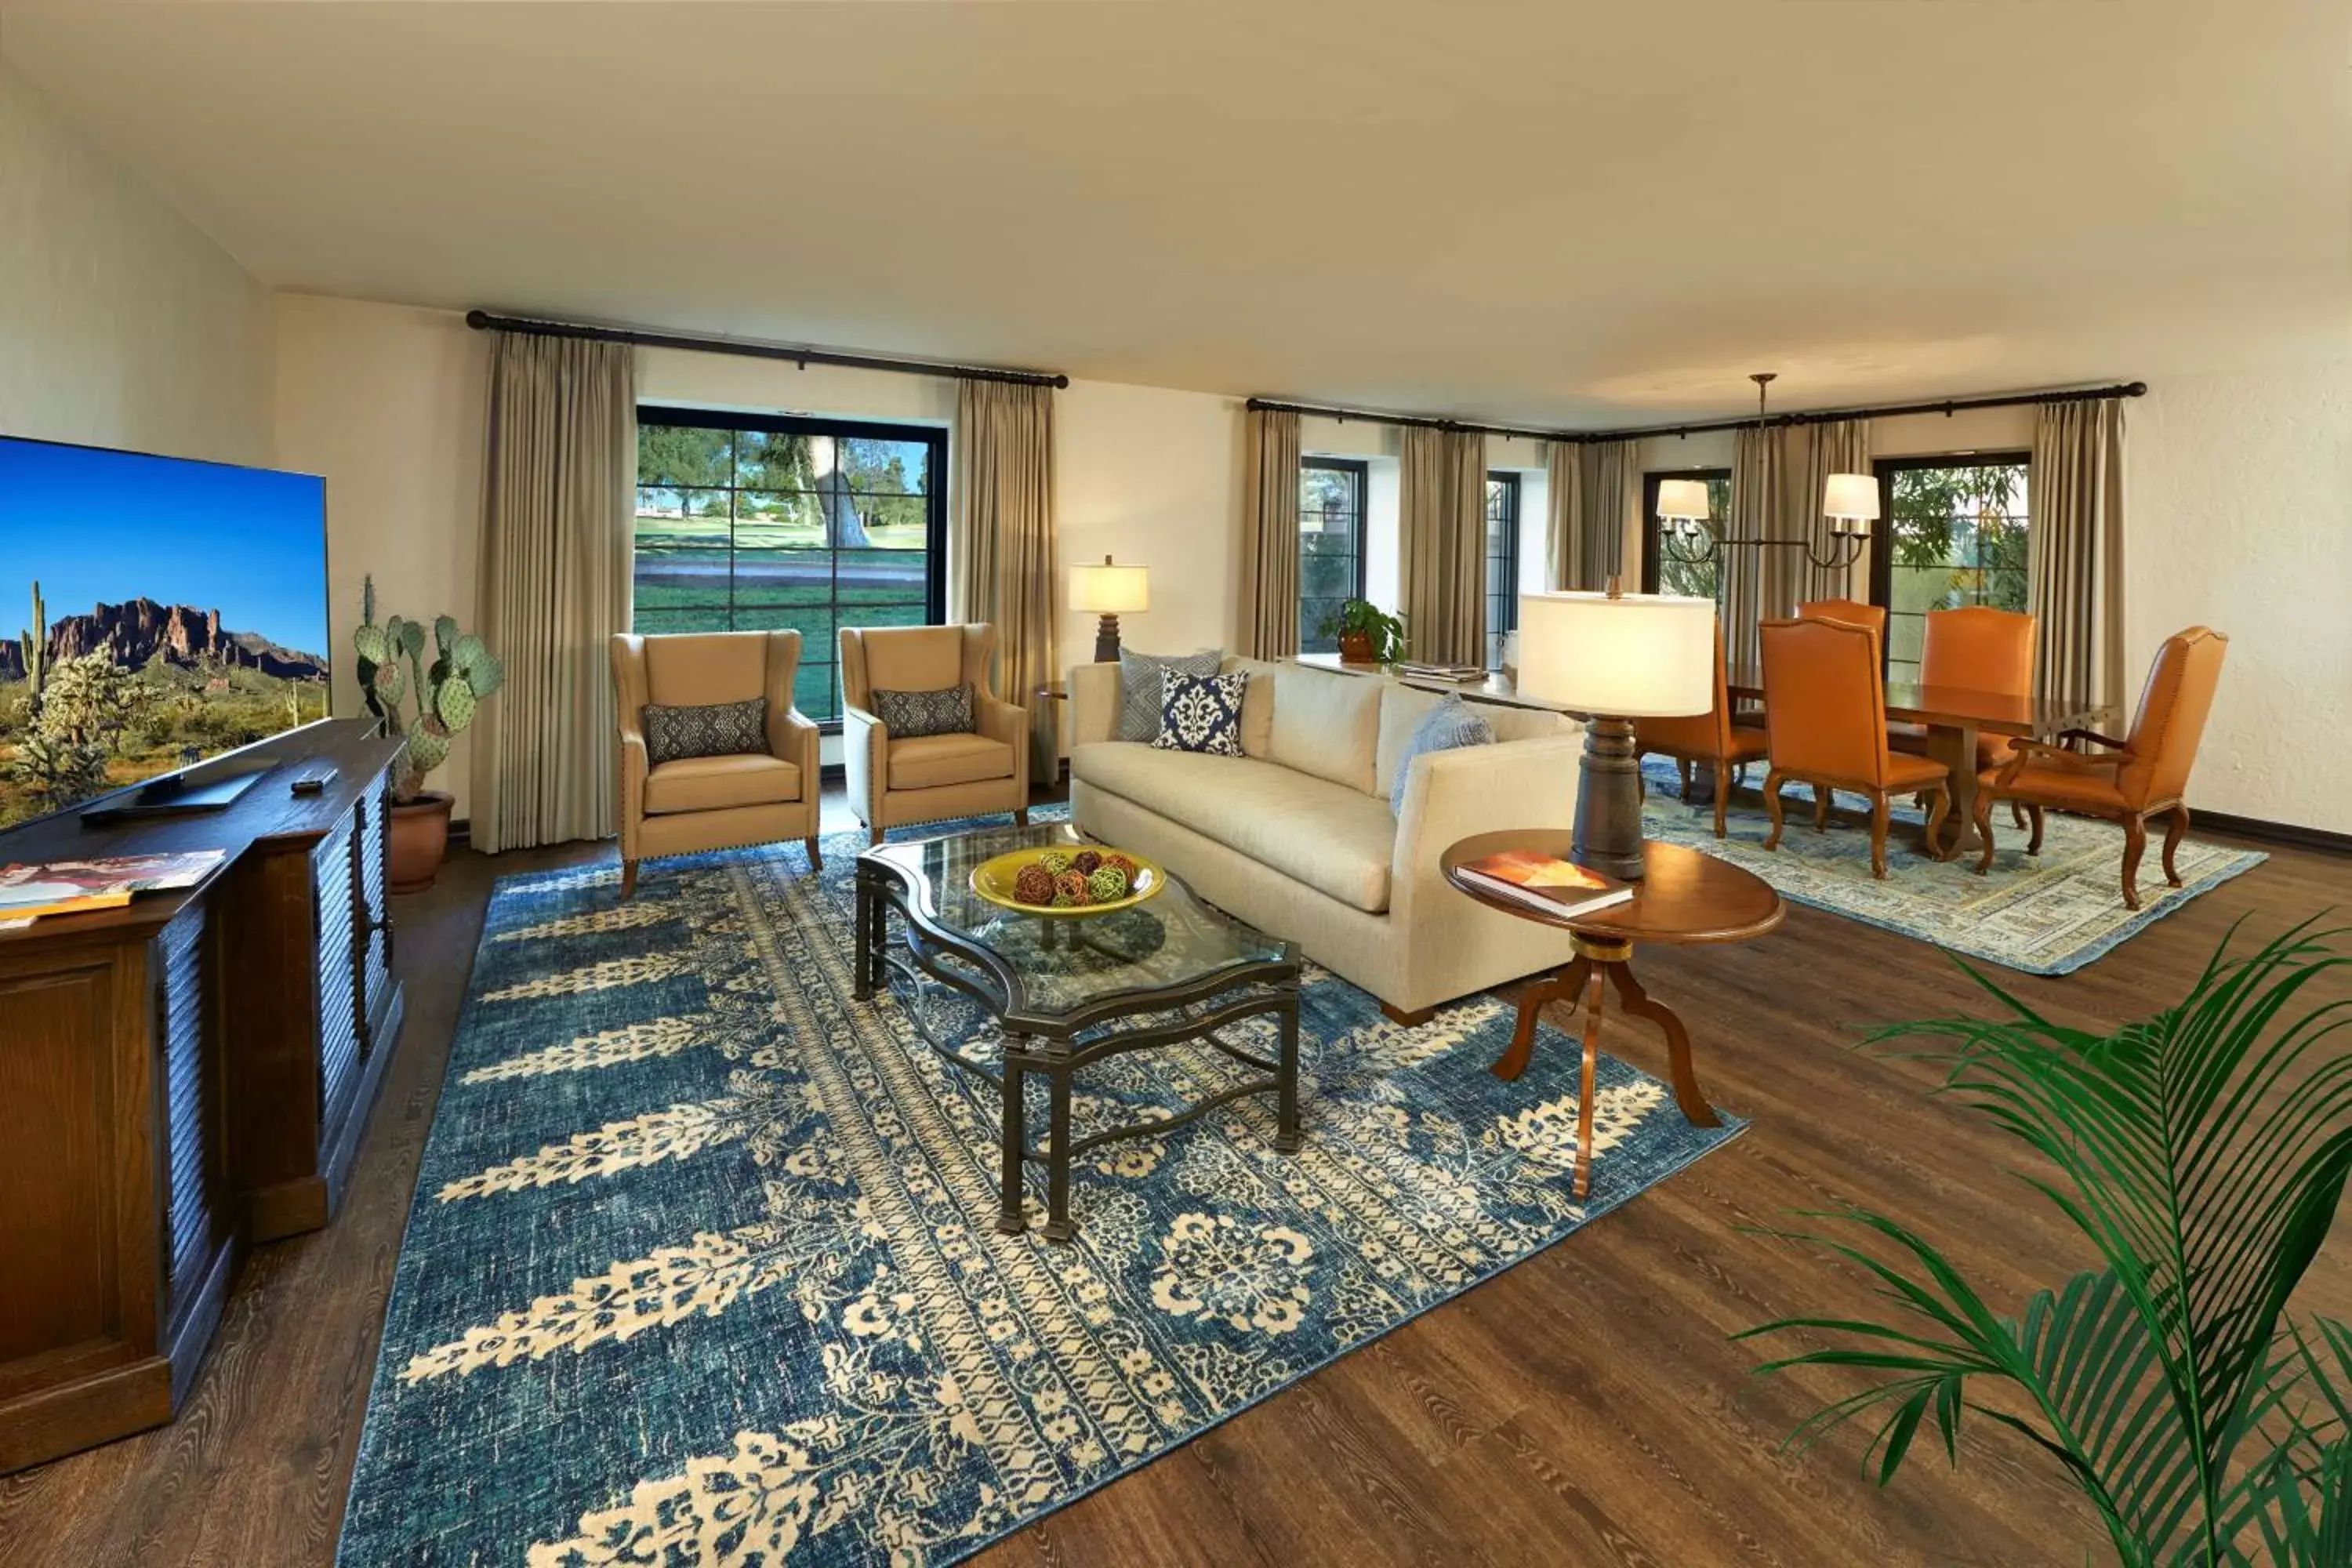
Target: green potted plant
(1366, 634)
(2202, 1154)
(426, 704)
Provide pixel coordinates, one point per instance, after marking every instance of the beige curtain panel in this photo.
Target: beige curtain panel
(1005, 539)
(1595, 494)
(1841, 446)
(1442, 514)
(1269, 560)
(2075, 552)
(1759, 475)
(559, 503)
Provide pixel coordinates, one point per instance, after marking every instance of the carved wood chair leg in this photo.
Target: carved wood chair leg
(628, 879)
(1020, 815)
(2017, 815)
(1939, 807)
(2034, 844)
(2135, 845)
(1722, 795)
(1681, 766)
(2176, 829)
(873, 835)
(1820, 807)
(1879, 834)
(816, 861)
(1772, 805)
(1984, 830)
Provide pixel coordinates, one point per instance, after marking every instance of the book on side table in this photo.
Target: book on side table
(1546, 882)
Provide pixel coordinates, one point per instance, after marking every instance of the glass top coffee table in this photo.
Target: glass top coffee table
(1071, 990)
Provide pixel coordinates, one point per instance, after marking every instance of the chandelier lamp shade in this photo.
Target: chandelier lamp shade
(1110, 591)
(1614, 658)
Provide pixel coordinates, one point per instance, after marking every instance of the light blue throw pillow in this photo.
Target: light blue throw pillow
(1452, 724)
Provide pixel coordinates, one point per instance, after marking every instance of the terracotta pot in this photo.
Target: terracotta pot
(1356, 648)
(420, 838)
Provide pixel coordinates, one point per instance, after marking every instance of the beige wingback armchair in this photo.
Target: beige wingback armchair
(896, 782)
(694, 804)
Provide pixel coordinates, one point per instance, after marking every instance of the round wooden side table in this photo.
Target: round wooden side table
(1683, 897)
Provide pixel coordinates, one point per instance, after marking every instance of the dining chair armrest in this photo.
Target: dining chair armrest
(2022, 751)
(2107, 741)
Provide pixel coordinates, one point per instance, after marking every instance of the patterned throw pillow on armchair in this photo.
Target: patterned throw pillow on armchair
(910, 714)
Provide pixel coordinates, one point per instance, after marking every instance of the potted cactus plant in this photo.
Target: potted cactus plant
(426, 704)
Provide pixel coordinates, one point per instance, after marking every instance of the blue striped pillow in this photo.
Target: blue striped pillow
(1452, 724)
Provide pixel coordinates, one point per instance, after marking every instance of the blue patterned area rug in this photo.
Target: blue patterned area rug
(2043, 914)
(702, 1269)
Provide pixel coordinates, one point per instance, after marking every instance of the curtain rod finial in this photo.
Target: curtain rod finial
(477, 320)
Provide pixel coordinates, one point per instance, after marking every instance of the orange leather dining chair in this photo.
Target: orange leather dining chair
(2135, 778)
(1710, 738)
(1854, 612)
(1825, 723)
(1977, 649)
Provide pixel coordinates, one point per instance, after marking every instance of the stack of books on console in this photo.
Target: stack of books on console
(1444, 671)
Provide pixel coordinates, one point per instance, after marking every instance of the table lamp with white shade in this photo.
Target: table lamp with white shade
(1110, 591)
(1615, 658)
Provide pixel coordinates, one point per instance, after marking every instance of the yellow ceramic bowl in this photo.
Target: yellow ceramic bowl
(993, 879)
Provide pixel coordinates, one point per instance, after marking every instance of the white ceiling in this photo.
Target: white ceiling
(1570, 214)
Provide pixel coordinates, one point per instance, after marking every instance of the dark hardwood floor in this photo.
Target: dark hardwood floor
(1584, 1407)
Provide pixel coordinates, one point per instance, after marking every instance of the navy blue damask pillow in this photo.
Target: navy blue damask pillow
(1201, 713)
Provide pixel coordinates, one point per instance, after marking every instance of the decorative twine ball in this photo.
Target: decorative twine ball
(1106, 884)
(1073, 884)
(1084, 862)
(1063, 900)
(1034, 885)
(1120, 864)
(1056, 861)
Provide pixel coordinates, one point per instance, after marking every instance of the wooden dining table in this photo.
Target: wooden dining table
(1954, 716)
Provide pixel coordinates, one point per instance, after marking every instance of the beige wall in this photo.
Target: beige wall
(386, 402)
(121, 324)
(2238, 494)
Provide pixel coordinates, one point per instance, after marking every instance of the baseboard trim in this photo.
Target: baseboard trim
(2288, 833)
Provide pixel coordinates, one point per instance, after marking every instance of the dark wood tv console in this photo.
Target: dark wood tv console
(181, 1078)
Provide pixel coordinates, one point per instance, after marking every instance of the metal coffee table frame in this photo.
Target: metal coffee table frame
(1059, 1045)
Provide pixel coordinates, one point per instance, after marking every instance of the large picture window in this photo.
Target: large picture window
(1330, 544)
(1502, 563)
(1661, 573)
(1955, 534)
(763, 523)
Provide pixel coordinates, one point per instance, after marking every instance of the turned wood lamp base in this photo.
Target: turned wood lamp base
(1609, 802)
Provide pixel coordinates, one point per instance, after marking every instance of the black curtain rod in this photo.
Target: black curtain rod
(1816, 416)
(1417, 421)
(482, 321)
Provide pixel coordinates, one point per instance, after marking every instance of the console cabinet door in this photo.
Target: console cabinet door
(336, 882)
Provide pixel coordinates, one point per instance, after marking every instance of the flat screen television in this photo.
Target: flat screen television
(155, 612)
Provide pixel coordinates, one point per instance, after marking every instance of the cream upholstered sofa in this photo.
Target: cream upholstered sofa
(895, 782)
(694, 804)
(1296, 836)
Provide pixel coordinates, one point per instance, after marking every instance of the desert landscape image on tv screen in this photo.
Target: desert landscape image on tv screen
(153, 613)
